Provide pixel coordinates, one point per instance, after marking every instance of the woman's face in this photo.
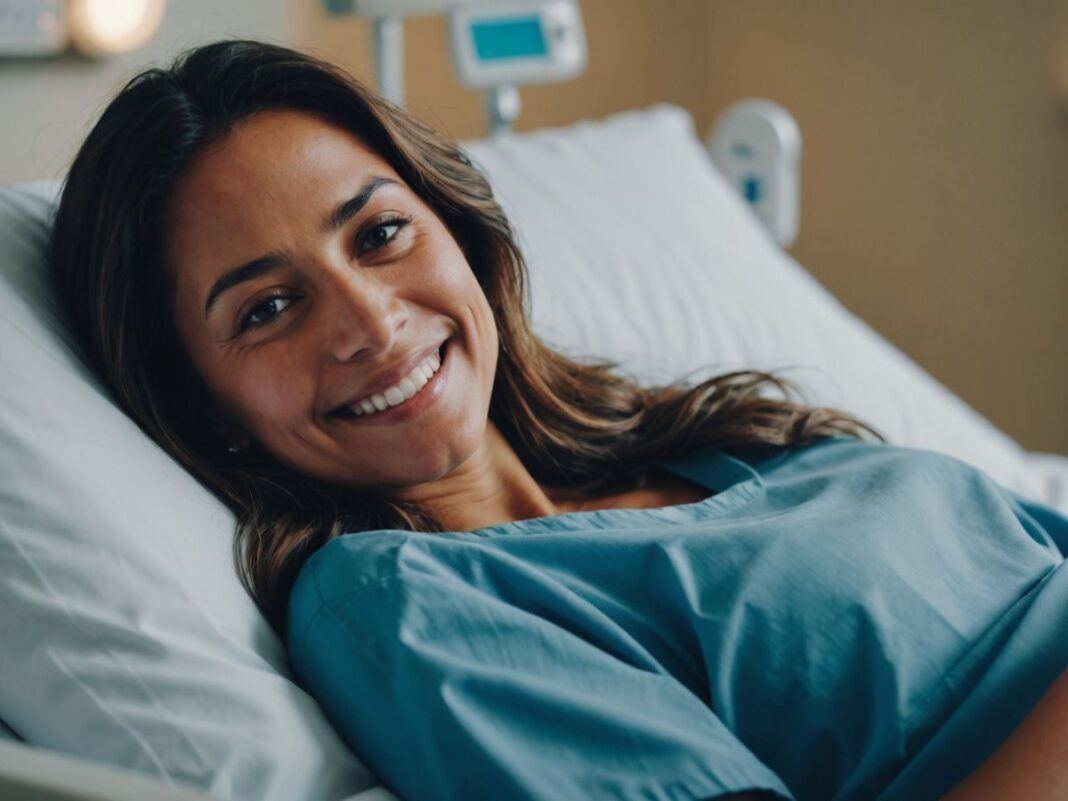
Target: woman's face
(361, 280)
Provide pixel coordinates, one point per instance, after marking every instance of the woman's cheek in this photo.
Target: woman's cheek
(272, 392)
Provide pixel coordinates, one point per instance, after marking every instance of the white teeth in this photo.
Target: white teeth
(401, 391)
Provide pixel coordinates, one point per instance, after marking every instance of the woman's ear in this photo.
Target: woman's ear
(227, 429)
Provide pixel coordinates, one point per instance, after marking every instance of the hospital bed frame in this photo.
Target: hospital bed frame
(33, 774)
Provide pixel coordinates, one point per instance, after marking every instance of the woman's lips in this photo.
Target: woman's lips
(414, 406)
(389, 380)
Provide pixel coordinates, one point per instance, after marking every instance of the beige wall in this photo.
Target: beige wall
(935, 177)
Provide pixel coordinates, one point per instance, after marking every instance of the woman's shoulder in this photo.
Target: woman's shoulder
(346, 565)
(863, 468)
(833, 452)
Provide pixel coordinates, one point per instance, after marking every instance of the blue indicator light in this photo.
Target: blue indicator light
(751, 189)
(514, 37)
(742, 150)
(340, 6)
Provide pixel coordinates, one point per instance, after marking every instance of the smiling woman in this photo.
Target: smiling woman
(354, 285)
(316, 305)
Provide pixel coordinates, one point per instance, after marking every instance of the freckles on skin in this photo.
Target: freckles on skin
(266, 187)
(276, 389)
(290, 175)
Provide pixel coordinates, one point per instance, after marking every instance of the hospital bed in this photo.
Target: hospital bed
(133, 663)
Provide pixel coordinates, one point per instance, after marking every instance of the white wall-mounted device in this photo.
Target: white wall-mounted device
(756, 144)
(387, 35)
(516, 42)
(32, 27)
(92, 27)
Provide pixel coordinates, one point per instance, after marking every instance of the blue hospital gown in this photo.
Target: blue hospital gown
(845, 620)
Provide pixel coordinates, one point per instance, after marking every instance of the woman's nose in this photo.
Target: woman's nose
(362, 312)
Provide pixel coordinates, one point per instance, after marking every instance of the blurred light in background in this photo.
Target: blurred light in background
(99, 27)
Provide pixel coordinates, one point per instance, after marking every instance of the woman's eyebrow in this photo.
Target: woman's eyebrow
(351, 207)
(269, 262)
(246, 272)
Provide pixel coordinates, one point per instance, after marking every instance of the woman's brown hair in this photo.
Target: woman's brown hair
(573, 424)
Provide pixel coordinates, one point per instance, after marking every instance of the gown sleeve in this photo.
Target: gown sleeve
(447, 690)
(1045, 523)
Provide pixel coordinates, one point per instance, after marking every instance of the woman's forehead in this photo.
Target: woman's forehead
(276, 166)
(273, 175)
(281, 149)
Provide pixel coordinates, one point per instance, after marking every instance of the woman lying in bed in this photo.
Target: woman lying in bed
(505, 574)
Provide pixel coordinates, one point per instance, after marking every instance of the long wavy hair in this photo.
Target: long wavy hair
(575, 425)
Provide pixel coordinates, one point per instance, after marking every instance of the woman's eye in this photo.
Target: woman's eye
(264, 312)
(266, 306)
(382, 234)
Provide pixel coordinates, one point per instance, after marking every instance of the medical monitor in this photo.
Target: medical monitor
(516, 42)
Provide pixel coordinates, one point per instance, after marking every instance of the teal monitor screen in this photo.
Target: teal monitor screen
(513, 37)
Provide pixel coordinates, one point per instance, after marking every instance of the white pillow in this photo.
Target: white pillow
(127, 636)
(641, 251)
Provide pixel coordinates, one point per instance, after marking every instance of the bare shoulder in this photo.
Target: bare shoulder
(1032, 762)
